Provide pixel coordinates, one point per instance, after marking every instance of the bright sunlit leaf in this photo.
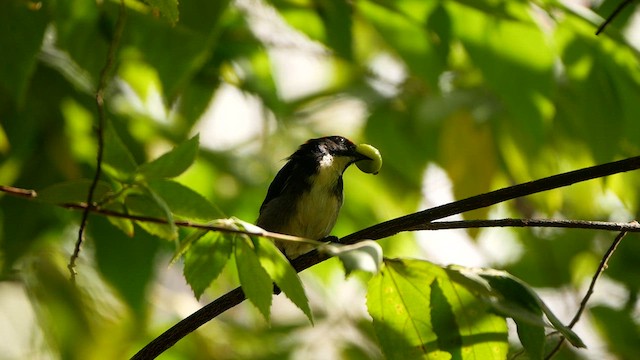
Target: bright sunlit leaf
(282, 273)
(172, 163)
(418, 312)
(183, 201)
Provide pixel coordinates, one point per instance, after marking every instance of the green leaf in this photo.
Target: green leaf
(406, 37)
(74, 191)
(484, 38)
(456, 325)
(183, 201)
(172, 163)
(168, 9)
(516, 290)
(150, 205)
(121, 223)
(282, 273)
(512, 297)
(254, 279)
(21, 32)
(336, 17)
(117, 160)
(205, 259)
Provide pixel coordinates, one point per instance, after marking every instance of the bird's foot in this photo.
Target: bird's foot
(330, 238)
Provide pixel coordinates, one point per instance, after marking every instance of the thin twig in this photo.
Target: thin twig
(583, 304)
(26, 193)
(386, 229)
(99, 98)
(189, 224)
(615, 13)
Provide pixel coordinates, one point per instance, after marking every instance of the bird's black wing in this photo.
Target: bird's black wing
(279, 183)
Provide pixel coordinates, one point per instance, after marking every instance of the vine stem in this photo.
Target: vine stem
(99, 100)
(583, 303)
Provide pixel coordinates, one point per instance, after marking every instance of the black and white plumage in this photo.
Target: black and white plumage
(305, 197)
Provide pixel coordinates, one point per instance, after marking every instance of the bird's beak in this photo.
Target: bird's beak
(357, 156)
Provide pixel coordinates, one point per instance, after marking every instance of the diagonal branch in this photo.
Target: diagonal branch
(386, 229)
(613, 15)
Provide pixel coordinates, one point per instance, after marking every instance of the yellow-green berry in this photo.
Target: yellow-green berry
(369, 166)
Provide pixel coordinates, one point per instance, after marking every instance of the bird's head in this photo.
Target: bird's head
(335, 152)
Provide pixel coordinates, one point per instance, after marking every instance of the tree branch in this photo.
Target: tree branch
(386, 229)
(615, 13)
(547, 223)
(99, 98)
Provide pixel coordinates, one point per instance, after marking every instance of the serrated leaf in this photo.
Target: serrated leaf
(168, 9)
(205, 259)
(283, 274)
(152, 206)
(187, 242)
(172, 163)
(117, 159)
(418, 312)
(254, 279)
(365, 256)
(74, 191)
(183, 201)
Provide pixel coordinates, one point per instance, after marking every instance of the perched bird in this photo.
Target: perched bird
(305, 197)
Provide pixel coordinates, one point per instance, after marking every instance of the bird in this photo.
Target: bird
(306, 195)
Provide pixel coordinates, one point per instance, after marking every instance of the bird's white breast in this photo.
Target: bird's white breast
(317, 210)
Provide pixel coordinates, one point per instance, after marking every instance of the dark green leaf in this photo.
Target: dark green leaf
(254, 279)
(407, 37)
(152, 38)
(336, 17)
(74, 191)
(172, 163)
(168, 9)
(117, 161)
(21, 32)
(512, 297)
(205, 259)
(127, 263)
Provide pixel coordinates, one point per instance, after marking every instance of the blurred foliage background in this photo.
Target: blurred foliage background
(461, 97)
